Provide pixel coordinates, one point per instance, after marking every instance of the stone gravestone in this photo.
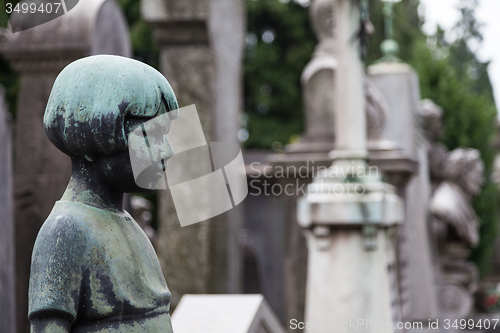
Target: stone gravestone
(201, 44)
(7, 265)
(41, 171)
(225, 314)
(300, 160)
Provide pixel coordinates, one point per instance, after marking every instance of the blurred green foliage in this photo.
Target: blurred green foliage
(144, 47)
(279, 44)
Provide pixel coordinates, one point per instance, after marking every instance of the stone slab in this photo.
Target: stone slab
(224, 314)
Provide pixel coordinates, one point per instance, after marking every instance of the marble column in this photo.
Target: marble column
(41, 170)
(348, 214)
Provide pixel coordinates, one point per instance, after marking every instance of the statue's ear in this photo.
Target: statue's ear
(89, 158)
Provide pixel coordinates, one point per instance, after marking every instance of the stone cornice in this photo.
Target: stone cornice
(183, 31)
(25, 59)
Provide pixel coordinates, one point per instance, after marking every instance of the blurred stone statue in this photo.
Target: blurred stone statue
(93, 268)
(141, 210)
(456, 177)
(318, 81)
(456, 227)
(452, 200)
(431, 115)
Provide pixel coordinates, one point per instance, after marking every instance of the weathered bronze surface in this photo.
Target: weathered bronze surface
(93, 268)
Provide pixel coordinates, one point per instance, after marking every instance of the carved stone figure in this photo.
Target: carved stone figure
(436, 152)
(456, 228)
(318, 82)
(93, 268)
(456, 177)
(451, 201)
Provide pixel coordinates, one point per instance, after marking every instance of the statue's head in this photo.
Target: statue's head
(464, 166)
(322, 18)
(431, 117)
(97, 101)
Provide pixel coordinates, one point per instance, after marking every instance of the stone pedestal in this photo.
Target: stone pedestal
(351, 232)
(41, 170)
(398, 83)
(201, 44)
(348, 288)
(7, 245)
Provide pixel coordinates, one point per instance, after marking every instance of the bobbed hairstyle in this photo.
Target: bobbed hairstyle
(92, 97)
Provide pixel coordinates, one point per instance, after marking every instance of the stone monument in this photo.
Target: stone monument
(307, 156)
(456, 228)
(456, 177)
(39, 54)
(7, 266)
(201, 44)
(93, 267)
(349, 215)
(431, 115)
(398, 84)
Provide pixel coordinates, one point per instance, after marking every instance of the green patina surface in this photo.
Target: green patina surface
(99, 269)
(92, 97)
(93, 268)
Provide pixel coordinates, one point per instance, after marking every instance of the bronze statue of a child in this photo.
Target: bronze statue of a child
(93, 268)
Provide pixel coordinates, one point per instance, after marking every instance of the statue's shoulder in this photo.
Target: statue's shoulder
(64, 214)
(66, 224)
(62, 237)
(450, 204)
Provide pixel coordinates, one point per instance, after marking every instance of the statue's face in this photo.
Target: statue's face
(474, 178)
(434, 129)
(116, 169)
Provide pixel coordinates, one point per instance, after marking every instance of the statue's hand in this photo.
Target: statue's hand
(50, 325)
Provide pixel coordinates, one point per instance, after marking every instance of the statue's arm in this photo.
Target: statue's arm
(55, 277)
(50, 325)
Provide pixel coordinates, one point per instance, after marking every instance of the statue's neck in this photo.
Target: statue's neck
(87, 186)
